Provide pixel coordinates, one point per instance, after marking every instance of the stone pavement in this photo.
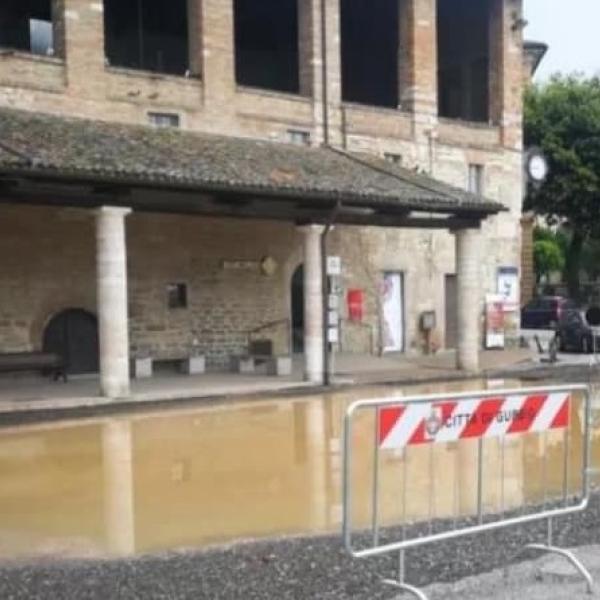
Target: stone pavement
(36, 394)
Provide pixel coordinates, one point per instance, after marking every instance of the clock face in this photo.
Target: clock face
(538, 167)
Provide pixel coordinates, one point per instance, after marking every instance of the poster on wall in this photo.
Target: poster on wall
(356, 303)
(494, 321)
(508, 287)
(393, 313)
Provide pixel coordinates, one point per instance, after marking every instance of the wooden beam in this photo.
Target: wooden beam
(231, 206)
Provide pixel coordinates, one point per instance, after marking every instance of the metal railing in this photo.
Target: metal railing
(275, 324)
(384, 435)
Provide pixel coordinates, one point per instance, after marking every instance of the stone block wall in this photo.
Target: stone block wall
(49, 266)
(527, 266)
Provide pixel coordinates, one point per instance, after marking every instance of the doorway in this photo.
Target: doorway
(298, 310)
(73, 334)
(393, 312)
(451, 311)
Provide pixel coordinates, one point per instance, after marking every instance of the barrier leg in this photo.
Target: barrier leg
(549, 548)
(400, 584)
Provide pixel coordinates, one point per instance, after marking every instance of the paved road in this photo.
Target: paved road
(549, 578)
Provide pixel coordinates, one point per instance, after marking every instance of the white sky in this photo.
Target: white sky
(572, 30)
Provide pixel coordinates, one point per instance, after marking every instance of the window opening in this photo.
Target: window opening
(27, 25)
(370, 46)
(177, 295)
(164, 120)
(298, 137)
(475, 183)
(150, 35)
(266, 44)
(463, 59)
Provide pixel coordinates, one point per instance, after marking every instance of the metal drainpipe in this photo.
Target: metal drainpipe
(325, 292)
(324, 94)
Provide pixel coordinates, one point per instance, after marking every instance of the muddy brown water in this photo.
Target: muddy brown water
(206, 475)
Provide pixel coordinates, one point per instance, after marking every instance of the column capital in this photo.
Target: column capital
(114, 211)
(465, 230)
(311, 229)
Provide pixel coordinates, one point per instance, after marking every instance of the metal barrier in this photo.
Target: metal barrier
(393, 428)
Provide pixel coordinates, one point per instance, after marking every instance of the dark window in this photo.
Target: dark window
(463, 59)
(27, 25)
(266, 44)
(151, 35)
(370, 45)
(177, 295)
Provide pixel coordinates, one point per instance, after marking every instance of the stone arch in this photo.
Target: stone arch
(73, 334)
(294, 261)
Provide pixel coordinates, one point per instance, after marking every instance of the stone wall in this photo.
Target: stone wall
(527, 267)
(49, 266)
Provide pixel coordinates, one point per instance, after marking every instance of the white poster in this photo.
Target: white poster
(494, 313)
(508, 287)
(393, 313)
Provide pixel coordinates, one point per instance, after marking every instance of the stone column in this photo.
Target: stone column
(469, 299)
(313, 304)
(212, 31)
(194, 15)
(418, 74)
(111, 260)
(308, 48)
(506, 71)
(82, 31)
(117, 462)
(326, 92)
(58, 27)
(417, 57)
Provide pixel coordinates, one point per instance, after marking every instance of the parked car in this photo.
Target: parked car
(574, 333)
(545, 312)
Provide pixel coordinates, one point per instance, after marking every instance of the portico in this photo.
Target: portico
(151, 197)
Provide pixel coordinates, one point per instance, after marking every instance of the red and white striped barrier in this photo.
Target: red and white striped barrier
(435, 422)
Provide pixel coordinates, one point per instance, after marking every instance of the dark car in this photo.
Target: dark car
(576, 334)
(545, 312)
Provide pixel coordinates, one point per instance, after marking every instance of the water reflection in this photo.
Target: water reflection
(214, 474)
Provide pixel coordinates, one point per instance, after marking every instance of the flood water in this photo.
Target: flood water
(182, 478)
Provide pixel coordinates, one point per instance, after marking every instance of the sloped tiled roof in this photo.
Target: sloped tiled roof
(34, 143)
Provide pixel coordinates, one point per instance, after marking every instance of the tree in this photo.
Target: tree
(547, 258)
(563, 118)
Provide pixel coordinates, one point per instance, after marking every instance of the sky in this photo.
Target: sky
(572, 30)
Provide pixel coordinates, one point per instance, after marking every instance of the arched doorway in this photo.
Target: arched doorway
(73, 334)
(298, 310)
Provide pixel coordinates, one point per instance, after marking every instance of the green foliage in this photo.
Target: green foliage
(560, 237)
(548, 257)
(563, 118)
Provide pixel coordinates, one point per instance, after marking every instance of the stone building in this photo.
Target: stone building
(167, 172)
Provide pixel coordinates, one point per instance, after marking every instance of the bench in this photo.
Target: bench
(142, 368)
(260, 353)
(275, 365)
(45, 362)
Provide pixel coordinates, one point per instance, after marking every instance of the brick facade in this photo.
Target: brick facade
(38, 281)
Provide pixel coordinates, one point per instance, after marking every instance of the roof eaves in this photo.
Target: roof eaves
(96, 175)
